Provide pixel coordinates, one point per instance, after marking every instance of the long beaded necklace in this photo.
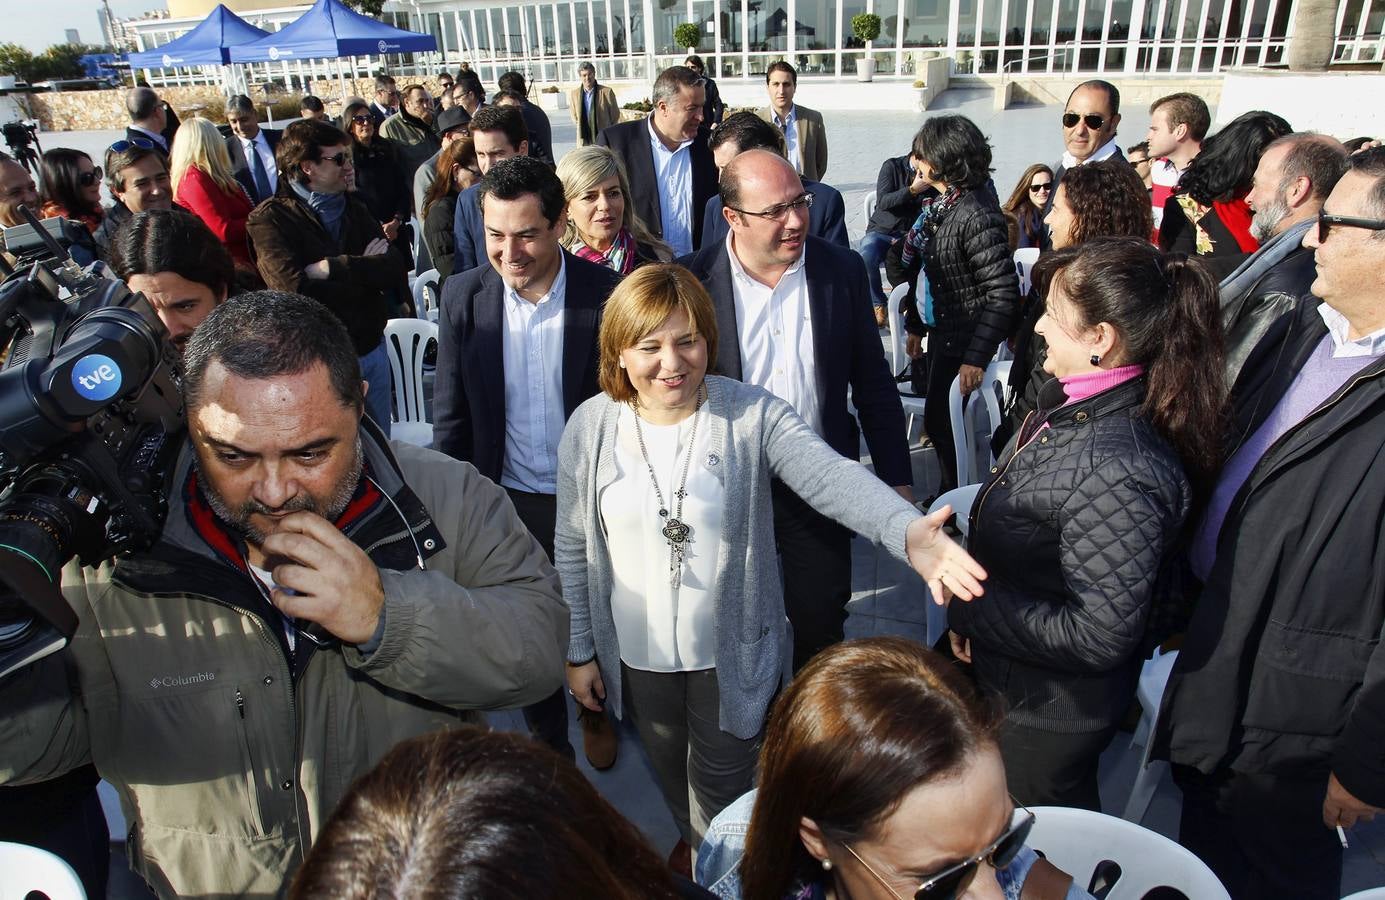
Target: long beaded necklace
(677, 532)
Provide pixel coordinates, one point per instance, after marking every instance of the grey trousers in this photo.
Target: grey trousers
(700, 768)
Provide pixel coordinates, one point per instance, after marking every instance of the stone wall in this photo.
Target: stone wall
(1053, 90)
(89, 110)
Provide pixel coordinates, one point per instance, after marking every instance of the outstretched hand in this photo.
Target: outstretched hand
(948, 570)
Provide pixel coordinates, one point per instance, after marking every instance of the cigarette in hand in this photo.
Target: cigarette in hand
(1342, 836)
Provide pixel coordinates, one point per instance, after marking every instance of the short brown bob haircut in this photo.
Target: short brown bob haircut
(640, 304)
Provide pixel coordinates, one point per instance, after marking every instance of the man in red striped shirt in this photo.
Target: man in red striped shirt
(1177, 125)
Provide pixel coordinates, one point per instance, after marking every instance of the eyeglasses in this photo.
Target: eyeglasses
(87, 179)
(779, 210)
(361, 119)
(954, 880)
(1326, 222)
(122, 146)
(341, 159)
(1094, 121)
(1036, 188)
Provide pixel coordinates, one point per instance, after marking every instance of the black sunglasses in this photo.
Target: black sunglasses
(954, 880)
(362, 119)
(1326, 222)
(340, 159)
(87, 179)
(1094, 121)
(1046, 186)
(122, 146)
(778, 210)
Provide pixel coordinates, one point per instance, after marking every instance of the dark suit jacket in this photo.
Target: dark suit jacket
(630, 141)
(468, 233)
(240, 166)
(378, 116)
(895, 207)
(540, 132)
(826, 217)
(131, 134)
(847, 344)
(469, 391)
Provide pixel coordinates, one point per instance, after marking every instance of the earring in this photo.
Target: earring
(1096, 360)
(622, 363)
(826, 865)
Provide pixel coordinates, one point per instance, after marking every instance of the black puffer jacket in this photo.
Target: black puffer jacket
(971, 276)
(1073, 528)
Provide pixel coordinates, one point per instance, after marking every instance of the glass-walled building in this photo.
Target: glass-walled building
(632, 39)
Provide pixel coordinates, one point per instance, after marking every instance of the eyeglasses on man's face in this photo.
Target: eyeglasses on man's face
(1092, 120)
(780, 210)
(341, 159)
(1326, 223)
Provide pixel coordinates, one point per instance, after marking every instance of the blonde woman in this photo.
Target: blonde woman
(602, 227)
(203, 183)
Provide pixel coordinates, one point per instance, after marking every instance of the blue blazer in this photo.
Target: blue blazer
(468, 232)
(469, 389)
(847, 344)
(826, 217)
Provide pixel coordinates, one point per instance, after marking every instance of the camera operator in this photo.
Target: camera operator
(16, 189)
(317, 595)
(175, 260)
(137, 175)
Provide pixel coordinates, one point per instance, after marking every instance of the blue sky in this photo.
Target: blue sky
(39, 24)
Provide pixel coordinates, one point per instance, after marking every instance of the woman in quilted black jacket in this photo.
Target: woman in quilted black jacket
(972, 296)
(1087, 503)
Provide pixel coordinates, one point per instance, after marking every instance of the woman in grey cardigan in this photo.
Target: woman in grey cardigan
(665, 540)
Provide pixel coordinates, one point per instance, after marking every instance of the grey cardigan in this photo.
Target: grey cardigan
(754, 436)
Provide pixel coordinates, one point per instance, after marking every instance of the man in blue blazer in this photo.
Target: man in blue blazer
(497, 133)
(794, 316)
(744, 131)
(516, 356)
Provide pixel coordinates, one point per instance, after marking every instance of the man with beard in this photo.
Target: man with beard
(1294, 177)
(316, 596)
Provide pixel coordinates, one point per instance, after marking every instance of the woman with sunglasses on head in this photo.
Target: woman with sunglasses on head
(203, 182)
(72, 190)
(880, 779)
(1085, 508)
(971, 293)
(1025, 208)
(1207, 214)
(665, 540)
(602, 225)
(381, 179)
(457, 170)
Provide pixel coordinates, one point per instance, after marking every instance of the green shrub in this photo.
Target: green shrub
(687, 35)
(865, 26)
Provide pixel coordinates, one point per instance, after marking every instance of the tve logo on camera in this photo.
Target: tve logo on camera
(96, 377)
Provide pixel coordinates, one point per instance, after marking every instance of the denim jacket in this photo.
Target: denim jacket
(718, 860)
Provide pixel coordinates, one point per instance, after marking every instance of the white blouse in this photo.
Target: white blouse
(661, 628)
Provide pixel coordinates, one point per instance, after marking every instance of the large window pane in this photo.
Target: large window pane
(769, 25)
(925, 23)
(668, 14)
(731, 20)
(817, 22)
(603, 42)
(584, 43)
(635, 29)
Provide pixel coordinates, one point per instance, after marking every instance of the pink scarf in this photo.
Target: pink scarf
(621, 258)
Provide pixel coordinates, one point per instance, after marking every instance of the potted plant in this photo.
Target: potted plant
(687, 35)
(866, 27)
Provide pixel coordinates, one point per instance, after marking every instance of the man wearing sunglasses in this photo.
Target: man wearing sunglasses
(318, 240)
(1293, 178)
(794, 315)
(1089, 128)
(386, 100)
(1274, 716)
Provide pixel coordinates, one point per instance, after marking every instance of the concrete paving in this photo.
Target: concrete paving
(887, 597)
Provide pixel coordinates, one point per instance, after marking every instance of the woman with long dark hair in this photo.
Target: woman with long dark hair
(381, 179)
(1026, 205)
(1086, 503)
(880, 768)
(1207, 214)
(457, 170)
(71, 187)
(972, 300)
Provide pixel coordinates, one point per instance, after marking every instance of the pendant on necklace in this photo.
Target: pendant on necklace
(676, 531)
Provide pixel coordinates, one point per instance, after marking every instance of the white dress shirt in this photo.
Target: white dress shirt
(1105, 151)
(661, 628)
(1338, 328)
(154, 136)
(775, 330)
(673, 173)
(789, 125)
(259, 145)
(533, 363)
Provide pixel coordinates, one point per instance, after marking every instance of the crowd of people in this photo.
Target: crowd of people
(658, 356)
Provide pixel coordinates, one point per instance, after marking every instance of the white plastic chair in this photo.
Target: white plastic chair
(31, 870)
(110, 808)
(1377, 893)
(1084, 843)
(913, 405)
(1154, 677)
(869, 206)
(962, 500)
(406, 340)
(427, 289)
(965, 430)
(1025, 257)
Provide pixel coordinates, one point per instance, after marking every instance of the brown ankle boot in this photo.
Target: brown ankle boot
(598, 738)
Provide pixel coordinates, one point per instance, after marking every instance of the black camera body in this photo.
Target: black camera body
(91, 411)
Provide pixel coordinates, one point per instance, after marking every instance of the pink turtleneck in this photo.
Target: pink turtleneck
(1087, 384)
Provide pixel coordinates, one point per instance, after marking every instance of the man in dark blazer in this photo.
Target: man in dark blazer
(744, 131)
(497, 133)
(1090, 119)
(535, 119)
(246, 142)
(149, 120)
(667, 159)
(516, 356)
(793, 313)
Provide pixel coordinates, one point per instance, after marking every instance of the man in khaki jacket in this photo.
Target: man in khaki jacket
(805, 136)
(593, 106)
(316, 596)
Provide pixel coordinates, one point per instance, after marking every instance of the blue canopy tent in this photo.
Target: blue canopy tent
(330, 30)
(208, 44)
